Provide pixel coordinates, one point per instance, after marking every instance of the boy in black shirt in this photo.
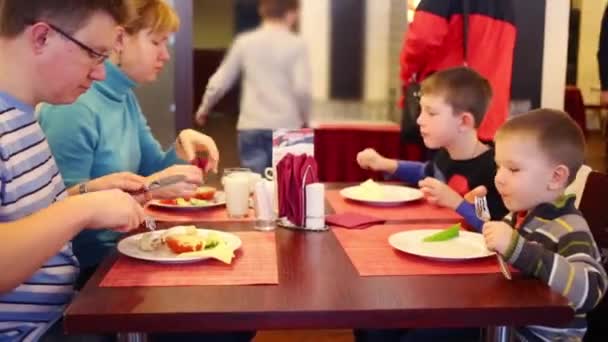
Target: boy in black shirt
(453, 104)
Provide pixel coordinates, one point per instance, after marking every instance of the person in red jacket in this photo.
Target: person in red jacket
(434, 41)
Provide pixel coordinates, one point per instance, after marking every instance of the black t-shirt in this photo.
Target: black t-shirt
(464, 175)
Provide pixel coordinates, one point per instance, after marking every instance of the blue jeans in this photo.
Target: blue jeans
(255, 149)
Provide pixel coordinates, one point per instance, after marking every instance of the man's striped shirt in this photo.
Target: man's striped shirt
(30, 181)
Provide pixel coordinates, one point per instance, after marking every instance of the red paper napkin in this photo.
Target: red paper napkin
(352, 220)
(294, 173)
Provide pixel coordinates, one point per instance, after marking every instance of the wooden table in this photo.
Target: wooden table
(318, 289)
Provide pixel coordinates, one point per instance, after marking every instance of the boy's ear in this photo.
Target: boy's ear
(559, 177)
(467, 120)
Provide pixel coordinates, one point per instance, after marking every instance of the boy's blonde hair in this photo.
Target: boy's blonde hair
(558, 136)
(69, 15)
(464, 90)
(156, 15)
(277, 9)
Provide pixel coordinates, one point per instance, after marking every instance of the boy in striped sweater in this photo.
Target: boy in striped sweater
(537, 155)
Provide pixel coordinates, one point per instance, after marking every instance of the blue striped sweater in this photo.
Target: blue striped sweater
(30, 181)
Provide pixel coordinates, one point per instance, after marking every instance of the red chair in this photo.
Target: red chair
(575, 106)
(337, 145)
(593, 207)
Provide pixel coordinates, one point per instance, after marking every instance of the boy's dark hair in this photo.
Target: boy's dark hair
(464, 90)
(277, 9)
(557, 135)
(70, 15)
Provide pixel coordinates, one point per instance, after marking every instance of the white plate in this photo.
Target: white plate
(466, 246)
(391, 195)
(130, 247)
(218, 200)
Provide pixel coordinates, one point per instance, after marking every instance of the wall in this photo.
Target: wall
(157, 103)
(588, 78)
(314, 27)
(376, 50)
(555, 55)
(213, 24)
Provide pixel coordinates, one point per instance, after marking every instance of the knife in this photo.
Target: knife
(160, 183)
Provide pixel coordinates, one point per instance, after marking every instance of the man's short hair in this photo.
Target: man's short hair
(463, 89)
(277, 9)
(70, 15)
(558, 136)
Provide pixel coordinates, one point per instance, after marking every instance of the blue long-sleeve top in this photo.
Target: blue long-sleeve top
(103, 132)
(412, 172)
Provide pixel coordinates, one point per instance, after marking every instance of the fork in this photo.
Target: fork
(483, 213)
(150, 223)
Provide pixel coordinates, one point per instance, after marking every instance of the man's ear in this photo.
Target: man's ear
(559, 177)
(38, 36)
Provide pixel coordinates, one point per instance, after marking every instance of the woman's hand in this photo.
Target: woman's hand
(187, 188)
(126, 181)
(189, 142)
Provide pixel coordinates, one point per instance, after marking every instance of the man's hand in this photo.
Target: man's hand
(112, 209)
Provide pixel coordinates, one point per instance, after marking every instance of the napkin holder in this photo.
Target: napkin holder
(317, 226)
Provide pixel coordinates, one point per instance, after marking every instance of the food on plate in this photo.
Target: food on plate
(204, 195)
(150, 242)
(182, 243)
(187, 241)
(370, 190)
(200, 162)
(444, 235)
(220, 252)
(187, 230)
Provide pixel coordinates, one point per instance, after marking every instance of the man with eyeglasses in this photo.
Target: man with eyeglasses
(96, 57)
(50, 51)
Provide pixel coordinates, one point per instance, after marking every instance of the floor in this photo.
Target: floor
(221, 128)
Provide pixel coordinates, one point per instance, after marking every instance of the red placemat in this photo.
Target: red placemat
(370, 253)
(255, 263)
(417, 210)
(219, 214)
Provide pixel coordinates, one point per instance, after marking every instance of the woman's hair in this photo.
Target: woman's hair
(155, 15)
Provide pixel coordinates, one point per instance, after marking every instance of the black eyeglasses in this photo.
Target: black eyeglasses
(98, 57)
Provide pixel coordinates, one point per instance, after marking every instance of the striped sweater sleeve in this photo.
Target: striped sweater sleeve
(563, 254)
